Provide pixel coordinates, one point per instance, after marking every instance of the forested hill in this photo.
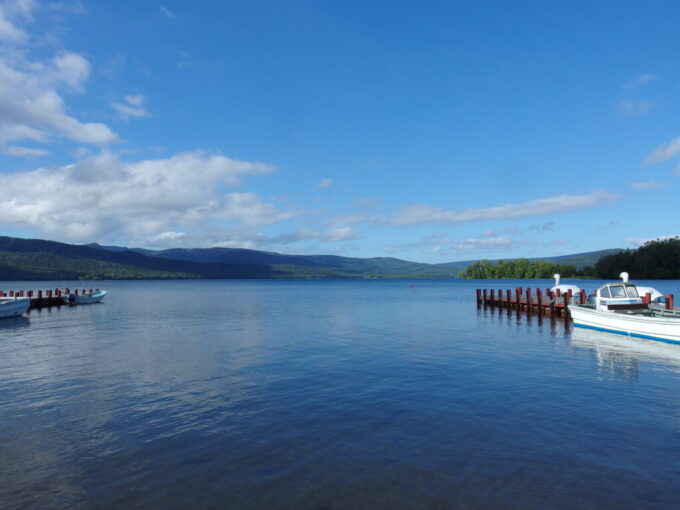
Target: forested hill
(34, 259)
(656, 260)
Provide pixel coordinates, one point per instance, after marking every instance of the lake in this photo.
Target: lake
(334, 394)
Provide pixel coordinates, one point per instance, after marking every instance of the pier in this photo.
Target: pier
(552, 303)
(45, 298)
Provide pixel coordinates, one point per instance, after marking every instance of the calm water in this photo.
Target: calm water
(330, 395)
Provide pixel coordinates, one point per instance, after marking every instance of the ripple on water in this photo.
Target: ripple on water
(329, 394)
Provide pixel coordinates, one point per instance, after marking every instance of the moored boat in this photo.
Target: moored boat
(13, 307)
(563, 287)
(85, 299)
(619, 308)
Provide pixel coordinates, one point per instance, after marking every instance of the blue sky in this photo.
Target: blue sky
(429, 131)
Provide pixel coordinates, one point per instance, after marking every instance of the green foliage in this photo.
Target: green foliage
(33, 259)
(49, 266)
(656, 260)
(517, 269)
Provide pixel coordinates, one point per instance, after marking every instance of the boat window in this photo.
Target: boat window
(604, 293)
(632, 291)
(617, 291)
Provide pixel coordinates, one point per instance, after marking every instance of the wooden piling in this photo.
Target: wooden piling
(528, 294)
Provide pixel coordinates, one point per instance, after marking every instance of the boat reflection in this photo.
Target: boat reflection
(14, 323)
(620, 356)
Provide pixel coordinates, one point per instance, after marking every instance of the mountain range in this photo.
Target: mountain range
(36, 259)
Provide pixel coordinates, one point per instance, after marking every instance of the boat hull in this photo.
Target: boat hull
(14, 307)
(85, 299)
(635, 325)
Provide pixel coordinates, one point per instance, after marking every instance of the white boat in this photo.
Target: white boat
(13, 307)
(564, 288)
(85, 299)
(619, 308)
(655, 295)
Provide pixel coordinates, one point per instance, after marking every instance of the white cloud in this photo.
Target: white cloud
(634, 107)
(71, 68)
(421, 214)
(663, 152)
(132, 107)
(332, 236)
(10, 13)
(324, 183)
(643, 79)
(639, 241)
(167, 12)
(647, 185)
(32, 92)
(249, 209)
(31, 107)
(439, 244)
(141, 200)
(488, 244)
(13, 150)
(545, 227)
(496, 233)
(216, 237)
(135, 100)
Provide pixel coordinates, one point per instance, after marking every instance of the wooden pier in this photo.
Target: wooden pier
(552, 303)
(45, 298)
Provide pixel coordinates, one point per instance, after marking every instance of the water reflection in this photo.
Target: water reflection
(557, 327)
(617, 356)
(14, 323)
(359, 394)
(621, 357)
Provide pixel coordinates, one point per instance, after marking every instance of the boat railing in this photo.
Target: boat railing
(660, 311)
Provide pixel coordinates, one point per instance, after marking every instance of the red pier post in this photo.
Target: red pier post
(528, 294)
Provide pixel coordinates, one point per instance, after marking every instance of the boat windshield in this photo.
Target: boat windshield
(604, 293)
(632, 291)
(618, 291)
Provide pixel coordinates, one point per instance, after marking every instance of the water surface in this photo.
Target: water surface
(330, 395)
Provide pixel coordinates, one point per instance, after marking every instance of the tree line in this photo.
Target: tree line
(655, 260)
(518, 269)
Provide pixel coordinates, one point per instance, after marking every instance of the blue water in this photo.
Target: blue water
(330, 395)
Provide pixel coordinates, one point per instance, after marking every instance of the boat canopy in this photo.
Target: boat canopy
(656, 295)
(618, 291)
(564, 288)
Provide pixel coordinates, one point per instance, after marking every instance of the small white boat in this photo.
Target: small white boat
(564, 288)
(13, 307)
(619, 308)
(655, 295)
(85, 299)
